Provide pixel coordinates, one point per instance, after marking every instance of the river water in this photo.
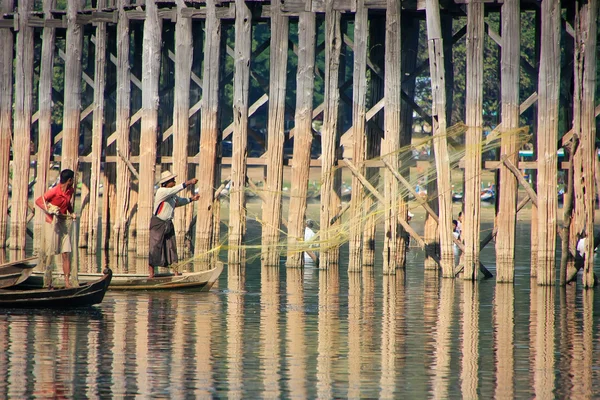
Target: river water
(288, 333)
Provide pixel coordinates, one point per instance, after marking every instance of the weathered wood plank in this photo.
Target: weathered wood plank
(6, 101)
(440, 143)
(548, 92)
(241, 79)
(330, 199)
(275, 136)
(206, 232)
(303, 136)
(22, 130)
(151, 57)
(392, 127)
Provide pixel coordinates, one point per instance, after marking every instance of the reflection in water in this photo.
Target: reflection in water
(504, 315)
(443, 340)
(393, 292)
(295, 333)
(354, 334)
(328, 322)
(235, 330)
(544, 375)
(269, 332)
(470, 340)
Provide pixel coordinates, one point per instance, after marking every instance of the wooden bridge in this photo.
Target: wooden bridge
(119, 91)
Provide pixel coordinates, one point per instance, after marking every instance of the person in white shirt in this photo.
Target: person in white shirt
(309, 235)
(163, 247)
(455, 248)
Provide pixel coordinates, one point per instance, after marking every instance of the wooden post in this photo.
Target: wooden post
(149, 129)
(181, 118)
(122, 193)
(22, 132)
(303, 136)
(241, 78)
(534, 242)
(440, 144)
(97, 132)
(392, 127)
(6, 103)
(330, 139)
(209, 134)
(508, 188)
(274, 184)
(548, 91)
(473, 137)
(359, 94)
(584, 126)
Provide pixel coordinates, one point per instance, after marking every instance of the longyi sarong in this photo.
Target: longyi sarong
(163, 247)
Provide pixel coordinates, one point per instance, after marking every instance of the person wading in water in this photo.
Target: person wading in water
(163, 248)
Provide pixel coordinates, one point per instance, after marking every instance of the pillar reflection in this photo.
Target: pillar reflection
(295, 333)
(470, 340)
(236, 280)
(354, 334)
(328, 323)
(392, 317)
(269, 331)
(443, 340)
(544, 376)
(504, 326)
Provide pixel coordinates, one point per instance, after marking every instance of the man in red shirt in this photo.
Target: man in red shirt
(57, 204)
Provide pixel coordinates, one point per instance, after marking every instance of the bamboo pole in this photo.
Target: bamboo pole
(209, 134)
(44, 119)
(548, 88)
(394, 203)
(181, 118)
(330, 199)
(22, 131)
(122, 191)
(237, 202)
(473, 138)
(584, 126)
(440, 145)
(149, 128)
(275, 136)
(359, 94)
(303, 136)
(6, 102)
(97, 132)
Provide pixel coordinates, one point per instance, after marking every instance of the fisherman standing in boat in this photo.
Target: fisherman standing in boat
(58, 206)
(163, 247)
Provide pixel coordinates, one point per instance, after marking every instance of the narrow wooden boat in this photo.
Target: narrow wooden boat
(15, 272)
(201, 281)
(86, 294)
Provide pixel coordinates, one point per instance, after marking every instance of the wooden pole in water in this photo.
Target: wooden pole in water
(149, 129)
(300, 172)
(584, 126)
(359, 94)
(330, 139)
(241, 78)
(44, 118)
(548, 88)
(208, 135)
(181, 117)
(275, 136)
(22, 132)
(122, 212)
(392, 127)
(440, 144)
(6, 103)
(534, 242)
(97, 132)
(509, 141)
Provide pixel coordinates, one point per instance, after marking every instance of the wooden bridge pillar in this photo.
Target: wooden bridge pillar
(549, 88)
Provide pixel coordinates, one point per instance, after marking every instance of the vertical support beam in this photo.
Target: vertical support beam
(440, 143)
(241, 79)
(181, 118)
(584, 127)
(509, 142)
(305, 81)
(534, 243)
(72, 101)
(392, 128)
(548, 90)
(330, 199)
(474, 121)
(97, 132)
(149, 128)
(122, 210)
(22, 132)
(359, 139)
(207, 167)
(275, 136)
(6, 102)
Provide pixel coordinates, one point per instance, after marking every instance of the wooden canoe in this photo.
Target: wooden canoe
(15, 272)
(201, 281)
(84, 295)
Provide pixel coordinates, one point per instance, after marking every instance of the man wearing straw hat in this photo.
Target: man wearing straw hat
(57, 204)
(163, 248)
